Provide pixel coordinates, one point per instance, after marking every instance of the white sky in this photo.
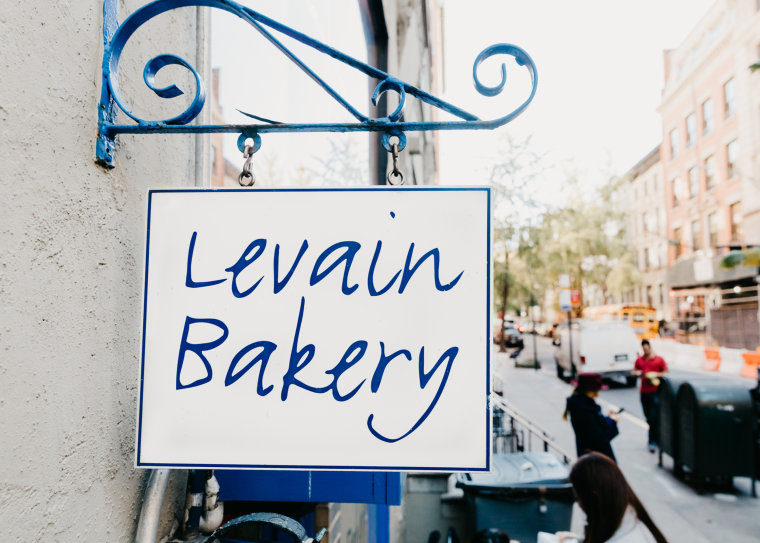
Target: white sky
(599, 66)
(600, 74)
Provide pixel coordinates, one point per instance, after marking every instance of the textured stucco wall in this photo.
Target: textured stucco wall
(71, 249)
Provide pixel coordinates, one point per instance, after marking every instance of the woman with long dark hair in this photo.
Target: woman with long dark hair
(613, 512)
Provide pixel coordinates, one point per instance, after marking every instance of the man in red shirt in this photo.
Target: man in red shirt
(650, 368)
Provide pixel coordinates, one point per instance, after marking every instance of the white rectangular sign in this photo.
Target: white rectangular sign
(317, 329)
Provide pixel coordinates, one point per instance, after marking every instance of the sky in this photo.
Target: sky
(600, 76)
(599, 64)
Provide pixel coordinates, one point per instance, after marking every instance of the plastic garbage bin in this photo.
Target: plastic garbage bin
(717, 429)
(523, 494)
(668, 413)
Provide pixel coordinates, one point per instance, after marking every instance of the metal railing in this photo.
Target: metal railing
(514, 432)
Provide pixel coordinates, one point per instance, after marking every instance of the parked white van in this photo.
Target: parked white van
(609, 348)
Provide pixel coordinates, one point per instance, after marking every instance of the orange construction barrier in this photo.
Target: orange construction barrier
(712, 360)
(751, 364)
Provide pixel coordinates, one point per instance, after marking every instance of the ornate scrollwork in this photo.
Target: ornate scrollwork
(390, 125)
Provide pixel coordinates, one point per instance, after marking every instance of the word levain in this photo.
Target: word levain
(300, 356)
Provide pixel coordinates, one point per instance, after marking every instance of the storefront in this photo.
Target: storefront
(713, 306)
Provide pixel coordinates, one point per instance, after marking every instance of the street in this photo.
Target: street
(726, 514)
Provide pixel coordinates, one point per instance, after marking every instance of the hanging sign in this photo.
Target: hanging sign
(317, 329)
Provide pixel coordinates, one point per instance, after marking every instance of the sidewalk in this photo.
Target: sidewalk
(681, 513)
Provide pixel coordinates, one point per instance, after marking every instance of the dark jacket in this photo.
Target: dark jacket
(593, 431)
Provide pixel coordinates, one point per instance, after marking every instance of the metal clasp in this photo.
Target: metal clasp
(395, 176)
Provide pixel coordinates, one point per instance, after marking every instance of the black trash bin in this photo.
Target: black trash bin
(668, 414)
(717, 429)
(525, 493)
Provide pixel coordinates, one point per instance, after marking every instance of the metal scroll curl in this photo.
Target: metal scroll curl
(116, 37)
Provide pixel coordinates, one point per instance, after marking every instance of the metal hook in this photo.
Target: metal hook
(247, 173)
(395, 172)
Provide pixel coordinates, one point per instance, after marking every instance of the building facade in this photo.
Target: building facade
(710, 138)
(73, 240)
(646, 233)
(73, 244)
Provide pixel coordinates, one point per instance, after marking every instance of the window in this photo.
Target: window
(696, 235)
(693, 182)
(712, 229)
(675, 187)
(677, 241)
(691, 129)
(732, 159)
(709, 172)
(729, 97)
(673, 143)
(736, 221)
(649, 221)
(707, 116)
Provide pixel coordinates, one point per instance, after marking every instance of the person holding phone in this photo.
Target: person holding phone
(650, 368)
(593, 431)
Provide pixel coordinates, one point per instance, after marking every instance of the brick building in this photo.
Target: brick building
(711, 139)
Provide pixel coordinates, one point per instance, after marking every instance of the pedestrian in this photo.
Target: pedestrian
(613, 511)
(593, 431)
(650, 367)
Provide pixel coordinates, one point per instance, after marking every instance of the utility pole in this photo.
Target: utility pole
(533, 319)
(570, 335)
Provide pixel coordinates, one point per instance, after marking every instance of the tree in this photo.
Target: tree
(584, 240)
(343, 165)
(512, 178)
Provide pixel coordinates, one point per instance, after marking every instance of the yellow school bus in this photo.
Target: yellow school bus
(642, 318)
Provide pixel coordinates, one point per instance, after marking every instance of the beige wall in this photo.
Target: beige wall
(72, 241)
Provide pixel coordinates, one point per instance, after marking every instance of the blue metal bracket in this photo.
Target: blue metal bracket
(116, 36)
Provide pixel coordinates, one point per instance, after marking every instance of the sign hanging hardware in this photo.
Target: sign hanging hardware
(247, 177)
(116, 36)
(395, 176)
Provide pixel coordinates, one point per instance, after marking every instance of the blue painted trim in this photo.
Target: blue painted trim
(378, 524)
(309, 468)
(144, 325)
(487, 190)
(489, 308)
(385, 188)
(105, 145)
(116, 36)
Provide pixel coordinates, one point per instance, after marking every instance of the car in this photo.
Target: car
(513, 337)
(608, 348)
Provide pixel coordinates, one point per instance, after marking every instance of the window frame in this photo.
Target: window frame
(709, 165)
(708, 121)
(712, 234)
(691, 129)
(673, 141)
(731, 166)
(729, 98)
(693, 182)
(696, 234)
